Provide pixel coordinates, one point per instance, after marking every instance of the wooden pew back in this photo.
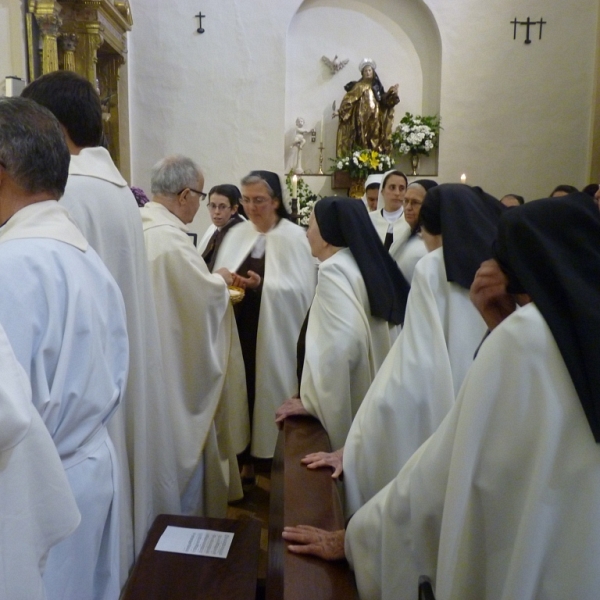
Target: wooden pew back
(300, 496)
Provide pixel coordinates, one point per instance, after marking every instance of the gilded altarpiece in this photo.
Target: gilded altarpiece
(88, 37)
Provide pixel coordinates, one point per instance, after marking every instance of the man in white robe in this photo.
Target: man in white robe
(65, 318)
(99, 201)
(501, 502)
(37, 508)
(200, 345)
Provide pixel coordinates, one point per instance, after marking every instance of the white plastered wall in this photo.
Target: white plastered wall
(12, 40)
(516, 117)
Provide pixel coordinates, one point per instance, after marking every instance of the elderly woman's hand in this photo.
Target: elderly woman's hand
(248, 283)
(488, 294)
(318, 460)
(291, 407)
(328, 545)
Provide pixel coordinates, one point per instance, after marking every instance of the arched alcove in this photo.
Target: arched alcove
(403, 38)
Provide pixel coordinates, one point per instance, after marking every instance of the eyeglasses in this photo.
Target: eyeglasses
(412, 202)
(201, 195)
(258, 201)
(213, 206)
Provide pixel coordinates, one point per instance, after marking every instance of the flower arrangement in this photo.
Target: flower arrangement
(416, 135)
(362, 163)
(306, 199)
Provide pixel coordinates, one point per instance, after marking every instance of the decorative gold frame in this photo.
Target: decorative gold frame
(88, 37)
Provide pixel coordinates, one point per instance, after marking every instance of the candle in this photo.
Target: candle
(295, 186)
(322, 122)
(463, 178)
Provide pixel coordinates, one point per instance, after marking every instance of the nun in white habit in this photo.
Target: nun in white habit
(388, 219)
(271, 315)
(360, 298)
(396, 233)
(501, 502)
(37, 507)
(414, 249)
(371, 196)
(419, 381)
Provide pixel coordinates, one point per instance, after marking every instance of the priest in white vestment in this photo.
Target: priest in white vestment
(200, 345)
(37, 508)
(419, 381)
(360, 298)
(270, 316)
(501, 502)
(65, 318)
(99, 201)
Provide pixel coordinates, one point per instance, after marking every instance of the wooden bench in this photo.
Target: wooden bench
(300, 496)
(171, 576)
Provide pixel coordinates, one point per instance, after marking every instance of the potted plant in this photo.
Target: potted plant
(359, 165)
(416, 136)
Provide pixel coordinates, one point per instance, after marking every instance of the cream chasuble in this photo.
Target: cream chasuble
(345, 346)
(203, 365)
(502, 501)
(101, 204)
(288, 290)
(37, 508)
(416, 385)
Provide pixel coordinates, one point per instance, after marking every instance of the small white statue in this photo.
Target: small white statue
(299, 142)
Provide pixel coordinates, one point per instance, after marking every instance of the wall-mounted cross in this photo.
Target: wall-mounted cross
(529, 23)
(200, 17)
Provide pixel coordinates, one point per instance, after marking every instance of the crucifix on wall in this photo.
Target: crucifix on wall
(200, 16)
(528, 24)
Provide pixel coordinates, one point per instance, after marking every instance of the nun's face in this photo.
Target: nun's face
(372, 198)
(318, 245)
(260, 208)
(367, 72)
(412, 204)
(393, 193)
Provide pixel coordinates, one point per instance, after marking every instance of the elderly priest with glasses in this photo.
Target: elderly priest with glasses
(206, 387)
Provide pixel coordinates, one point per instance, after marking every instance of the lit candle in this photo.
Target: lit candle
(295, 186)
(463, 178)
(322, 122)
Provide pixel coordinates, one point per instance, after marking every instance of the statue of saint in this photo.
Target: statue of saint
(366, 113)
